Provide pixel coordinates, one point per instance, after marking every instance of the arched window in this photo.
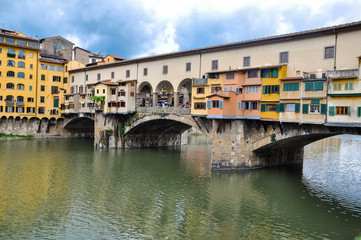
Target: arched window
(20, 87)
(11, 53)
(41, 110)
(21, 64)
(21, 54)
(9, 99)
(10, 63)
(10, 86)
(19, 99)
(21, 75)
(81, 89)
(71, 89)
(10, 74)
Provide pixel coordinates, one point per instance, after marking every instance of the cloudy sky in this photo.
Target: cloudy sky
(134, 28)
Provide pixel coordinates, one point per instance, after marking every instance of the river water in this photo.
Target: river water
(65, 189)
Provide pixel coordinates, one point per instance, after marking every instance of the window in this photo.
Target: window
(56, 102)
(10, 40)
(247, 106)
(10, 86)
(10, 74)
(42, 99)
(313, 86)
(32, 44)
(31, 55)
(43, 66)
(283, 57)
(268, 89)
(63, 47)
(216, 104)
(337, 86)
(165, 69)
(42, 88)
(230, 76)
(21, 75)
(86, 77)
(54, 90)
(111, 75)
(41, 110)
(246, 61)
(231, 88)
(188, 67)
(132, 94)
(10, 63)
(290, 107)
(225, 89)
(113, 91)
(127, 73)
(51, 68)
(343, 111)
(31, 66)
(214, 65)
(30, 88)
(253, 74)
(289, 87)
(145, 71)
(199, 105)
(239, 90)
(54, 47)
(30, 99)
(271, 107)
(30, 110)
(252, 89)
(59, 68)
(329, 52)
(103, 90)
(216, 89)
(56, 79)
(31, 76)
(42, 77)
(121, 94)
(98, 76)
(348, 85)
(200, 90)
(21, 54)
(11, 53)
(21, 42)
(65, 80)
(81, 89)
(265, 73)
(315, 108)
(274, 73)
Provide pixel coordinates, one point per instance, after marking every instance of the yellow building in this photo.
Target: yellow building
(201, 88)
(271, 76)
(50, 87)
(18, 70)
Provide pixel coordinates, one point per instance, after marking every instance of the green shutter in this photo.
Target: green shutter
(359, 111)
(319, 86)
(56, 102)
(331, 111)
(263, 89)
(309, 86)
(297, 107)
(282, 107)
(274, 73)
(315, 101)
(263, 107)
(277, 107)
(277, 88)
(349, 111)
(209, 104)
(323, 108)
(305, 108)
(268, 89)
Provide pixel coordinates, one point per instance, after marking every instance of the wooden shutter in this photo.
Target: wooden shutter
(209, 103)
(277, 107)
(220, 103)
(305, 108)
(297, 107)
(263, 107)
(331, 111)
(323, 108)
(282, 107)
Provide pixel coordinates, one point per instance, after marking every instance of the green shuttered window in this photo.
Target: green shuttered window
(331, 111)
(305, 108)
(288, 87)
(263, 107)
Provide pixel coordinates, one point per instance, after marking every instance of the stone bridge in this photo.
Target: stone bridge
(245, 144)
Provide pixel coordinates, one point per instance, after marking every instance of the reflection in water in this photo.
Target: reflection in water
(64, 189)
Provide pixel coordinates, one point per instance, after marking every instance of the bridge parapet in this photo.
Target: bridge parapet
(169, 110)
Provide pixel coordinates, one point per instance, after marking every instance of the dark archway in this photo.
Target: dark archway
(184, 91)
(165, 92)
(144, 95)
(82, 124)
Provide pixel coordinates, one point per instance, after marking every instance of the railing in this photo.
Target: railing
(343, 74)
(200, 81)
(9, 102)
(20, 103)
(169, 110)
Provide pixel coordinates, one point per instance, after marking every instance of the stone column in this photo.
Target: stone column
(155, 99)
(176, 99)
(169, 98)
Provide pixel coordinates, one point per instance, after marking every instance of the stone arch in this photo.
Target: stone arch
(144, 94)
(184, 92)
(80, 125)
(165, 91)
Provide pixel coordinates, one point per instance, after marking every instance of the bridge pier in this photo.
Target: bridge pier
(234, 142)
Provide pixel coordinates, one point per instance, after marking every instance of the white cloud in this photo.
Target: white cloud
(83, 41)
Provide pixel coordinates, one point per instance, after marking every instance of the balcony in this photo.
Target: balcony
(200, 81)
(9, 102)
(11, 55)
(20, 103)
(343, 74)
